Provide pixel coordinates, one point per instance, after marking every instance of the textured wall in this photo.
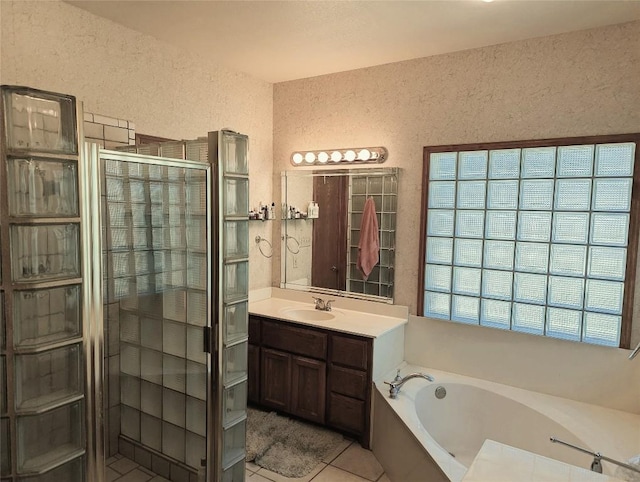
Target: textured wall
(582, 83)
(121, 73)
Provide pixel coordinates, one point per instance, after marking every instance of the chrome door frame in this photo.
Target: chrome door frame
(91, 209)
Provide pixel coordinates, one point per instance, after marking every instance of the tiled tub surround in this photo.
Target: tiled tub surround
(510, 416)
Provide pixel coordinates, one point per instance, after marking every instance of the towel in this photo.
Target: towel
(369, 244)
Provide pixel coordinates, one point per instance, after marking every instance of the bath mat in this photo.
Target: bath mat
(285, 446)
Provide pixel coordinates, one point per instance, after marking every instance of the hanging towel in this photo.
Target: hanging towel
(369, 245)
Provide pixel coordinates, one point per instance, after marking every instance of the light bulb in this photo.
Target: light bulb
(297, 158)
(350, 155)
(323, 157)
(364, 155)
(310, 157)
(336, 156)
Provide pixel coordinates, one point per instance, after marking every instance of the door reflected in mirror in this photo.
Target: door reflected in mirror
(320, 251)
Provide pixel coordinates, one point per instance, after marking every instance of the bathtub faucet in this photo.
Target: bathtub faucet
(398, 381)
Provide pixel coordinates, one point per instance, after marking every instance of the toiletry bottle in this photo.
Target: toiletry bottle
(272, 211)
(310, 210)
(316, 210)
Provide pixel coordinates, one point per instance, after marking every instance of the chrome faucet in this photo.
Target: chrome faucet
(398, 381)
(321, 304)
(634, 352)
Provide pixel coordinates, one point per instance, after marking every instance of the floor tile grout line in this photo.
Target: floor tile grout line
(341, 452)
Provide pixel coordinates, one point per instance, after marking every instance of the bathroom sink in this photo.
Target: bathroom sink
(307, 314)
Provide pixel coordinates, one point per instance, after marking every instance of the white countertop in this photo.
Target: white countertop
(356, 317)
(498, 462)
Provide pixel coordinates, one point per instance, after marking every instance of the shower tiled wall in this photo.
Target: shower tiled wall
(110, 133)
(155, 220)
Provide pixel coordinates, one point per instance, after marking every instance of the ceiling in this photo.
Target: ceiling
(284, 40)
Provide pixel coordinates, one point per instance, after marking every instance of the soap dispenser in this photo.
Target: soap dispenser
(313, 210)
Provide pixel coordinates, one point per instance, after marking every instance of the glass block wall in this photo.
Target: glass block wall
(230, 156)
(383, 188)
(532, 239)
(156, 283)
(42, 378)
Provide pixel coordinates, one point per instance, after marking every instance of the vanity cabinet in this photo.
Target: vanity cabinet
(315, 374)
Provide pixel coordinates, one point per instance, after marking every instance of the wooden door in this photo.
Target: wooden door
(329, 251)
(276, 379)
(308, 388)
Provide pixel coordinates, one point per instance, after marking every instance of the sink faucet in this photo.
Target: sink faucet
(321, 304)
(398, 381)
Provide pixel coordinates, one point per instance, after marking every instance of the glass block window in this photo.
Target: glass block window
(532, 238)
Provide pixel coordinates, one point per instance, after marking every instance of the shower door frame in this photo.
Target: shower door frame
(91, 187)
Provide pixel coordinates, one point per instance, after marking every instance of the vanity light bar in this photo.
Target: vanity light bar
(360, 155)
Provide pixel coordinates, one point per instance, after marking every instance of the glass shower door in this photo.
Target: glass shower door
(157, 292)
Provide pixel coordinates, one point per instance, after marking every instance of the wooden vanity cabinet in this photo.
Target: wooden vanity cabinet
(318, 375)
(253, 360)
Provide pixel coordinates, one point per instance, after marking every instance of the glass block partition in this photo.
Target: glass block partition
(229, 154)
(42, 360)
(532, 239)
(383, 188)
(156, 280)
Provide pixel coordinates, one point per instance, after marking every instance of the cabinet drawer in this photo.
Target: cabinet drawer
(350, 352)
(346, 413)
(352, 383)
(254, 330)
(301, 341)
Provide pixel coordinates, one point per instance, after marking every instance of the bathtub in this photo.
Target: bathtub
(450, 431)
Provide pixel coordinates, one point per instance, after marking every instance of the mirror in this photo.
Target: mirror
(320, 243)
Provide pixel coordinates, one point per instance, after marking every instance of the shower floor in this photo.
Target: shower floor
(122, 469)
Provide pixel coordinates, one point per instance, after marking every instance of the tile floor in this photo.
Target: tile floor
(123, 469)
(349, 463)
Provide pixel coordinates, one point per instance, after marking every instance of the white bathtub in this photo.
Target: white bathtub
(452, 430)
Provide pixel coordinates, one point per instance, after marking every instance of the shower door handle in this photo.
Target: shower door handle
(206, 335)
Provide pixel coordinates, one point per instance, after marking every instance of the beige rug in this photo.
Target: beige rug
(285, 446)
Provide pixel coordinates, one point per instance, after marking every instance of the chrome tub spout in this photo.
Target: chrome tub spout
(398, 381)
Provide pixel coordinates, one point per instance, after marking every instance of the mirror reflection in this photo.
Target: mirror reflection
(332, 238)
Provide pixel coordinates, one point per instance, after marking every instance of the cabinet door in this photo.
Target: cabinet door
(276, 379)
(347, 413)
(253, 393)
(308, 388)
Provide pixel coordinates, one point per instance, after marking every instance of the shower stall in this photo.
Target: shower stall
(123, 300)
